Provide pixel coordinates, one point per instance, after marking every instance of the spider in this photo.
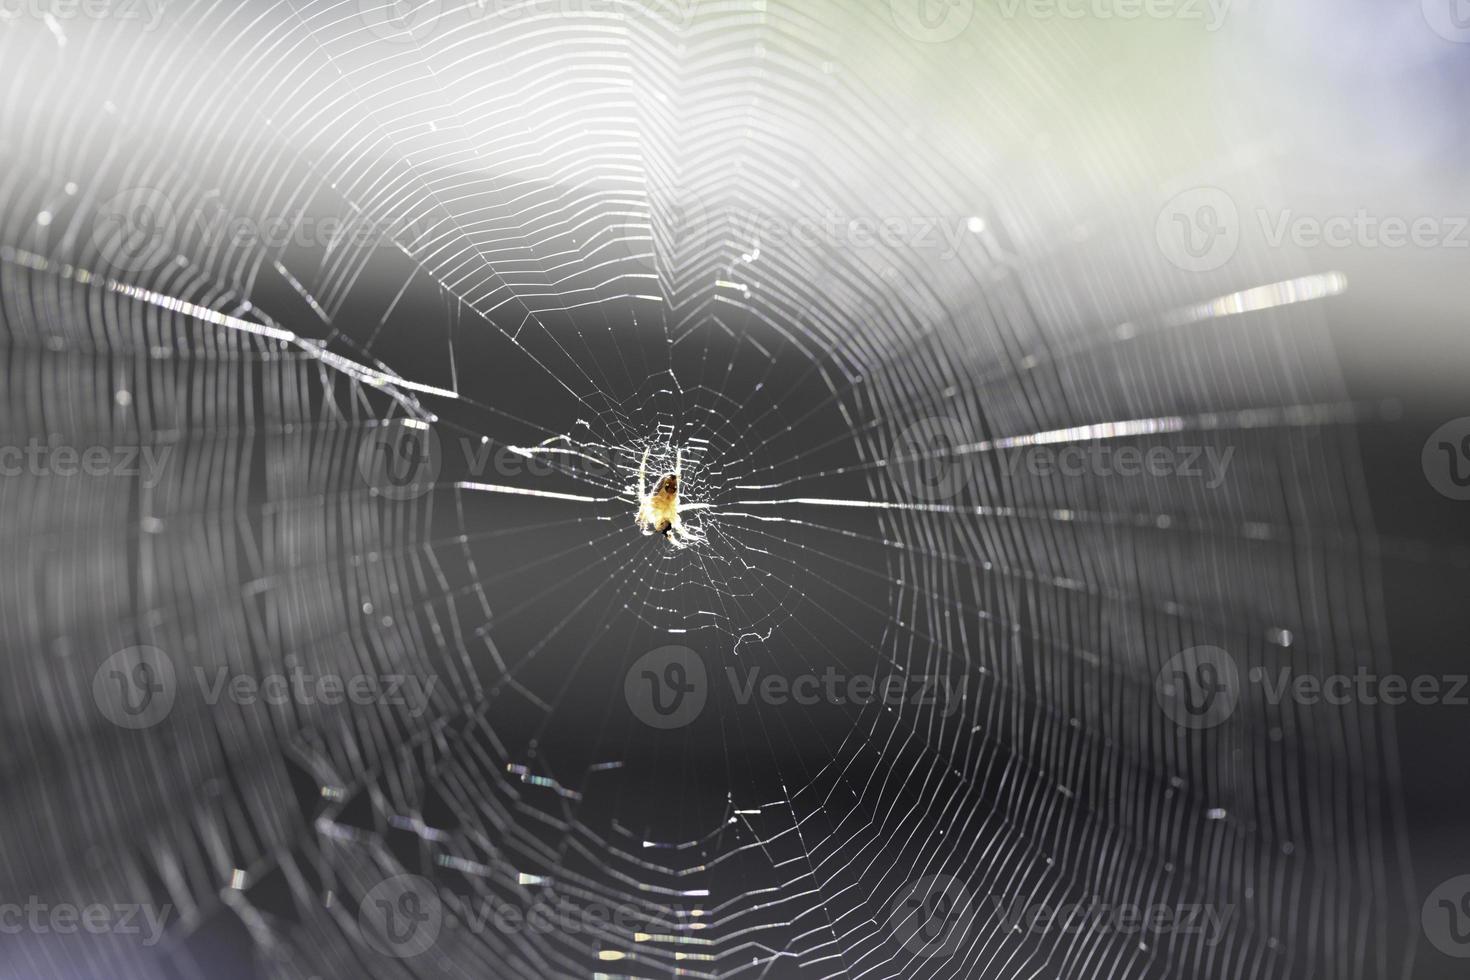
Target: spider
(658, 510)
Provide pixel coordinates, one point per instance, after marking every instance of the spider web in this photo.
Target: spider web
(564, 235)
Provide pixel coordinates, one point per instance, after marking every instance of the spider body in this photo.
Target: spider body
(658, 509)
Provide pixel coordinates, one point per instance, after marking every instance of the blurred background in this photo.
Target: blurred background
(1067, 398)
